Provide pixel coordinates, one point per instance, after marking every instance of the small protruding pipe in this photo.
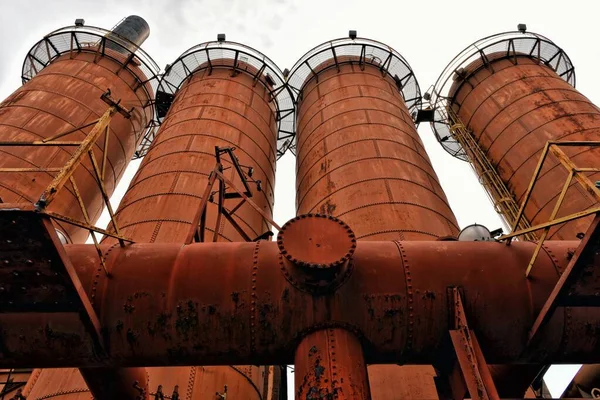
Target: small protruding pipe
(134, 29)
(330, 364)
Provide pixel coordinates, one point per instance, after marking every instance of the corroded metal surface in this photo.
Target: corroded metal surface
(513, 108)
(316, 252)
(328, 364)
(161, 306)
(360, 159)
(65, 95)
(214, 108)
(211, 109)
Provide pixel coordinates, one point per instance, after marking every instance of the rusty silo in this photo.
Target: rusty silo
(219, 95)
(360, 158)
(497, 105)
(68, 78)
(64, 76)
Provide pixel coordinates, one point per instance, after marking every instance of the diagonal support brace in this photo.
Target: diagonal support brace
(474, 369)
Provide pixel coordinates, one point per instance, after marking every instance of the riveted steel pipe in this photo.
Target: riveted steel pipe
(161, 306)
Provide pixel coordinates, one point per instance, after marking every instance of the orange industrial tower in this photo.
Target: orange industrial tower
(371, 291)
(498, 103)
(227, 106)
(508, 105)
(70, 80)
(360, 159)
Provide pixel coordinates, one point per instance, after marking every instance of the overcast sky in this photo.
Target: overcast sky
(427, 33)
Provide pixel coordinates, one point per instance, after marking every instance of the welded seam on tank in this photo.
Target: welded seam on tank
(267, 139)
(61, 148)
(212, 155)
(503, 108)
(34, 199)
(342, 99)
(307, 135)
(317, 86)
(226, 124)
(308, 169)
(574, 184)
(553, 259)
(61, 224)
(556, 164)
(503, 85)
(251, 89)
(512, 103)
(204, 93)
(443, 199)
(381, 203)
(167, 220)
(397, 231)
(496, 71)
(123, 207)
(192, 80)
(180, 151)
(340, 130)
(136, 182)
(409, 294)
(531, 131)
(139, 78)
(500, 88)
(352, 162)
(198, 152)
(351, 72)
(347, 100)
(63, 393)
(142, 100)
(517, 169)
(137, 132)
(267, 177)
(303, 122)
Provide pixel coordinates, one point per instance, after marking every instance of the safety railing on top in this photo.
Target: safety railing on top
(72, 40)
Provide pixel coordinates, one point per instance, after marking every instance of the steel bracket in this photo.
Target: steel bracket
(579, 284)
(468, 369)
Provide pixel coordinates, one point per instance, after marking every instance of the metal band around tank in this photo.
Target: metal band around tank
(92, 39)
(358, 51)
(513, 44)
(238, 57)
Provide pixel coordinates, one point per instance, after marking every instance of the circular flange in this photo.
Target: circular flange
(316, 241)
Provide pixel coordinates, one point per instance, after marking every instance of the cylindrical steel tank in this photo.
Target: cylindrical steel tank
(515, 92)
(214, 106)
(224, 95)
(61, 92)
(360, 158)
(64, 76)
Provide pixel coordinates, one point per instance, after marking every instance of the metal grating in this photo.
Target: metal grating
(476, 56)
(243, 59)
(358, 51)
(77, 39)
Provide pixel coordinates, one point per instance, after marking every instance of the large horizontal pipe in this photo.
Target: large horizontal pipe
(162, 306)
